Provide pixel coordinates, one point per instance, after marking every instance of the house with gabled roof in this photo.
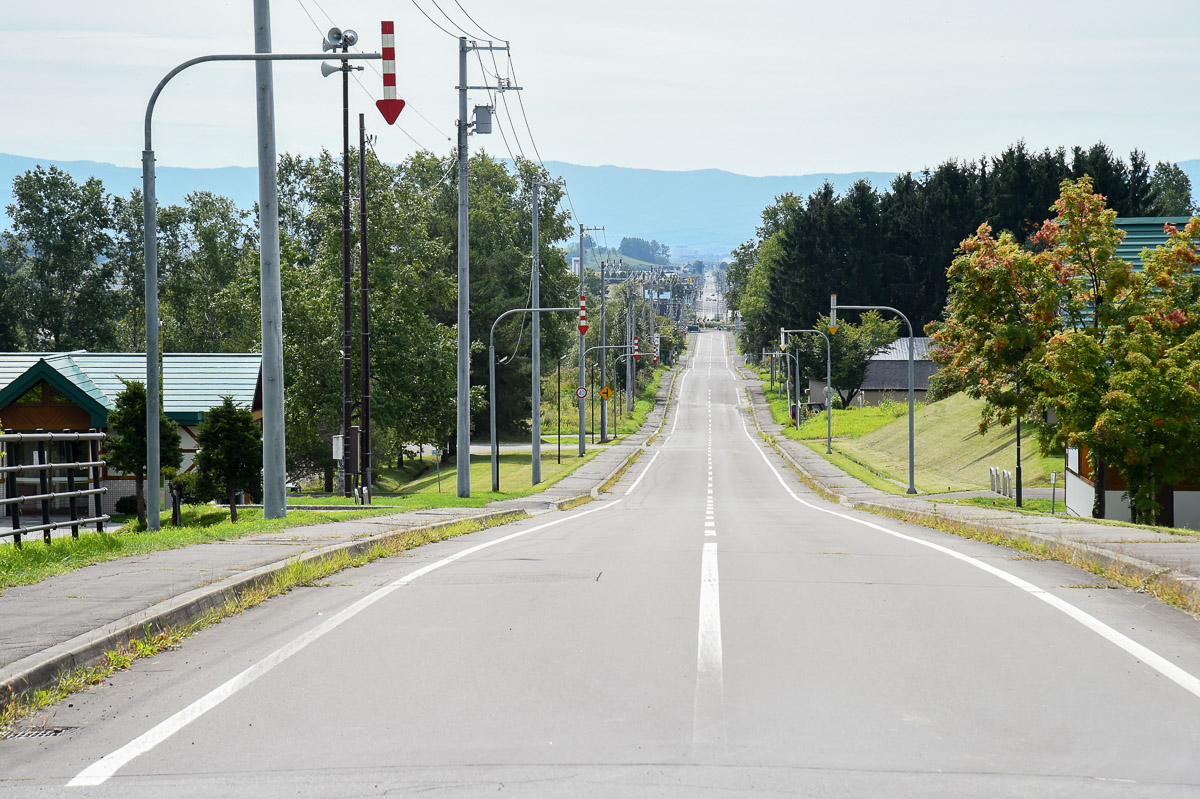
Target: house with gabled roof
(887, 374)
(56, 391)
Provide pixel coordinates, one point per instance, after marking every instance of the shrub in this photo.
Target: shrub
(126, 505)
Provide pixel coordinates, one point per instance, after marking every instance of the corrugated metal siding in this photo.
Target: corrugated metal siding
(1142, 232)
(898, 350)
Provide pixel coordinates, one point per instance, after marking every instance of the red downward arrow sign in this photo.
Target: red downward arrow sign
(390, 109)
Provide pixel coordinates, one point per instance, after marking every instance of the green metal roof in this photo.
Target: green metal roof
(1143, 232)
(192, 382)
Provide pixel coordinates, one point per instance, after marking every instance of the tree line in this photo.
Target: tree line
(72, 277)
(893, 247)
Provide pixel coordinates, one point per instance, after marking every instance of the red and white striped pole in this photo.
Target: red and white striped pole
(390, 106)
(583, 325)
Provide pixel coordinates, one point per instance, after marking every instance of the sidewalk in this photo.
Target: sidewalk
(70, 620)
(1170, 560)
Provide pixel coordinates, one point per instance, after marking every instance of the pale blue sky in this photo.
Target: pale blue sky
(758, 88)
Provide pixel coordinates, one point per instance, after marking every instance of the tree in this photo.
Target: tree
(851, 351)
(209, 288)
(60, 244)
(125, 449)
(1151, 412)
(1171, 189)
(1081, 250)
(1001, 312)
(230, 457)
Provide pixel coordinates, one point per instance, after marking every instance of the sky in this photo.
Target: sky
(760, 87)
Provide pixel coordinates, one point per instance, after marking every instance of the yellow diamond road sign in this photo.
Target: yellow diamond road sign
(606, 393)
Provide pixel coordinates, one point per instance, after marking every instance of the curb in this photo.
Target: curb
(42, 669)
(1080, 553)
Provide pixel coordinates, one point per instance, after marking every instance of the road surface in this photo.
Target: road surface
(709, 628)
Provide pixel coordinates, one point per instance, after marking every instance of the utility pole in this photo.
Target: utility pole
(581, 394)
(344, 467)
(536, 416)
(364, 448)
(483, 124)
(535, 462)
(603, 355)
(629, 322)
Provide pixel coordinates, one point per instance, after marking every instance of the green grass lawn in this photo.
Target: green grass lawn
(951, 453)
(36, 561)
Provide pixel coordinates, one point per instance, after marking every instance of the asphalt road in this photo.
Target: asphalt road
(711, 627)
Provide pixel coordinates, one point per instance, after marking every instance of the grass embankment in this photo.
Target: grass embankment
(36, 560)
(951, 453)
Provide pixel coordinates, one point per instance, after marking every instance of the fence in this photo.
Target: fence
(44, 465)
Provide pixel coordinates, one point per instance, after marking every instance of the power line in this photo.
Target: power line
(463, 30)
(476, 24)
(432, 21)
(367, 91)
(507, 113)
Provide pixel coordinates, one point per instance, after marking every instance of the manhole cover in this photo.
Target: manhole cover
(40, 732)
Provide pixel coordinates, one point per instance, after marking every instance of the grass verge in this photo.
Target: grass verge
(1157, 584)
(35, 561)
(296, 573)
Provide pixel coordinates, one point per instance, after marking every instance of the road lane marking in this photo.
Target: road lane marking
(1166, 668)
(102, 769)
(644, 471)
(709, 711)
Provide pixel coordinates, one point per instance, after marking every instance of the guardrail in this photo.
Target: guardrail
(44, 465)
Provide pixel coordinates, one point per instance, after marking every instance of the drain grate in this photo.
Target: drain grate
(40, 732)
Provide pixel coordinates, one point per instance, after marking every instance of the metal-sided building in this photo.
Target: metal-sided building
(76, 390)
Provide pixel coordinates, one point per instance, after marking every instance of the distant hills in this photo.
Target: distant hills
(702, 213)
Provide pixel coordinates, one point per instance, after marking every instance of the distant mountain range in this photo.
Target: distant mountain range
(702, 213)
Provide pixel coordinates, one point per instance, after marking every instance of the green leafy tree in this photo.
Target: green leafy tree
(125, 449)
(1001, 312)
(851, 351)
(230, 457)
(1151, 413)
(1081, 252)
(209, 285)
(60, 244)
(1171, 189)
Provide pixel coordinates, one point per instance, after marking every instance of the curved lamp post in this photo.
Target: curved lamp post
(828, 383)
(274, 501)
(492, 391)
(833, 309)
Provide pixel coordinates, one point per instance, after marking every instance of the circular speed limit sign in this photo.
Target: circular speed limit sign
(581, 392)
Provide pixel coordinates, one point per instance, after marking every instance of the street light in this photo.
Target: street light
(274, 501)
(833, 309)
(492, 391)
(482, 124)
(828, 384)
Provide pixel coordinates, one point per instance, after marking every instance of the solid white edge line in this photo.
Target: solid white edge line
(1183, 679)
(644, 472)
(102, 769)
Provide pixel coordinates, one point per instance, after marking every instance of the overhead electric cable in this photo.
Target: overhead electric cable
(432, 21)
(476, 24)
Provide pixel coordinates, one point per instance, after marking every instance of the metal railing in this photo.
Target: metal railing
(44, 465)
